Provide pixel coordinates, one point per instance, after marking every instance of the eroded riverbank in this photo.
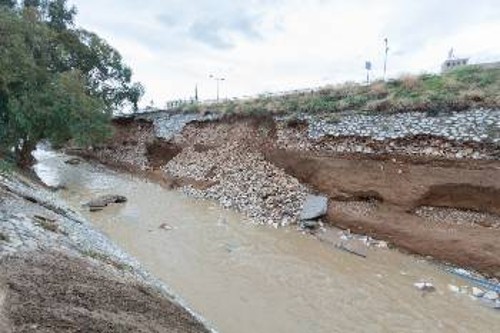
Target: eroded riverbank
(249, 278)
(423, 192)
(59, 274)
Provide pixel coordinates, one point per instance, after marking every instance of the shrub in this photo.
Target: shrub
(379, 90)
(474, 95)
(410, 82)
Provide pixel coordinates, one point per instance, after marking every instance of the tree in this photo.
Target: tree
(60, 17)
(57, 83)
(8, 3)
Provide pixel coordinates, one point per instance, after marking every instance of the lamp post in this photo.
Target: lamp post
(218, 80)
(386, 42)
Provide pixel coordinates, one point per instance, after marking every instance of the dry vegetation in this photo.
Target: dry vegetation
(457, 90)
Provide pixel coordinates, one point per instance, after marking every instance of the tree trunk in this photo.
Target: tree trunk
(24, 158)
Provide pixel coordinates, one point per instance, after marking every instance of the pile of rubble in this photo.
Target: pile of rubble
(361, 208)
(457, 216)
(243, 180)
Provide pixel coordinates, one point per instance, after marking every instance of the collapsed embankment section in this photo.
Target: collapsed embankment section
(385, 199)
(428, 183)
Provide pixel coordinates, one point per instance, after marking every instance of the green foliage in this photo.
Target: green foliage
(457, 90)
(474, 76)
(190, 108)
(107, 260)
(6, 166)
(57, 83)
(8, 3)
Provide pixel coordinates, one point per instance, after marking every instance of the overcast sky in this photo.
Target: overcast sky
(273, 45)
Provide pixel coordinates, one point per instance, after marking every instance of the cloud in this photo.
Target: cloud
(210, 33)
(219, 26)
(218, 34)
(270, 45)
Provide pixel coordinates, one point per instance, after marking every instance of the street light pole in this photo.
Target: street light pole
(218, 80)
(386, 41)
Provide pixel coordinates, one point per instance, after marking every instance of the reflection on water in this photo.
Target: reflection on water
(247, 278)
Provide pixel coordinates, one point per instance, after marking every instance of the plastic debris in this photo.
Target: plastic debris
(425, 286)
(476, 292)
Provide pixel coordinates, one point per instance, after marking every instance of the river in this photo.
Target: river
(248, 278)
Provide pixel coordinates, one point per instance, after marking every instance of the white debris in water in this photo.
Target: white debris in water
(476, 292)
(424, 286)
(491, 296)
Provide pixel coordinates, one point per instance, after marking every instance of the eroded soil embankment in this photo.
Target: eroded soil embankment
(223, 158)
(53, 292)
(59, 274)
(398, 188)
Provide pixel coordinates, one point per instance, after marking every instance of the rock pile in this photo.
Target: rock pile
(456, 216)
(417, 145)
(128, 146)
(477, 125)
(243, 180)
(473, 134)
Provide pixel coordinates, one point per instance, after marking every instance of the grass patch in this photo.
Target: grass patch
(49, 226)
(6, 166)
(460, 89)
(107, 260)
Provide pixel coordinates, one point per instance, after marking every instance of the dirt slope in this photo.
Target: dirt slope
(55, 293)
(398, 188)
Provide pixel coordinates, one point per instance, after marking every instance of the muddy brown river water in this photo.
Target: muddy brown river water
(247, 278)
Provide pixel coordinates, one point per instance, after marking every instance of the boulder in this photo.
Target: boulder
(103, 201)
(314, 207)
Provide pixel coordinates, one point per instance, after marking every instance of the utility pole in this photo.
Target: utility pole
(218, 80)
(386, 41)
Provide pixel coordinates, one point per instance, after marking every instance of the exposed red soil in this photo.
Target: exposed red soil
(400, 187)
(399, 183)
(160, 152)
(480, 198)
(52, 292)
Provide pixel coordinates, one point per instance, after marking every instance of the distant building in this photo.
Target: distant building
(453, 62)
(450, 64)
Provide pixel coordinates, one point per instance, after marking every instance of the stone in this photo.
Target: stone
(73, 161)
(165, 226)
(314, 207)
(104, 201)
(491, 295)
(309, 224)
(476, 292)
